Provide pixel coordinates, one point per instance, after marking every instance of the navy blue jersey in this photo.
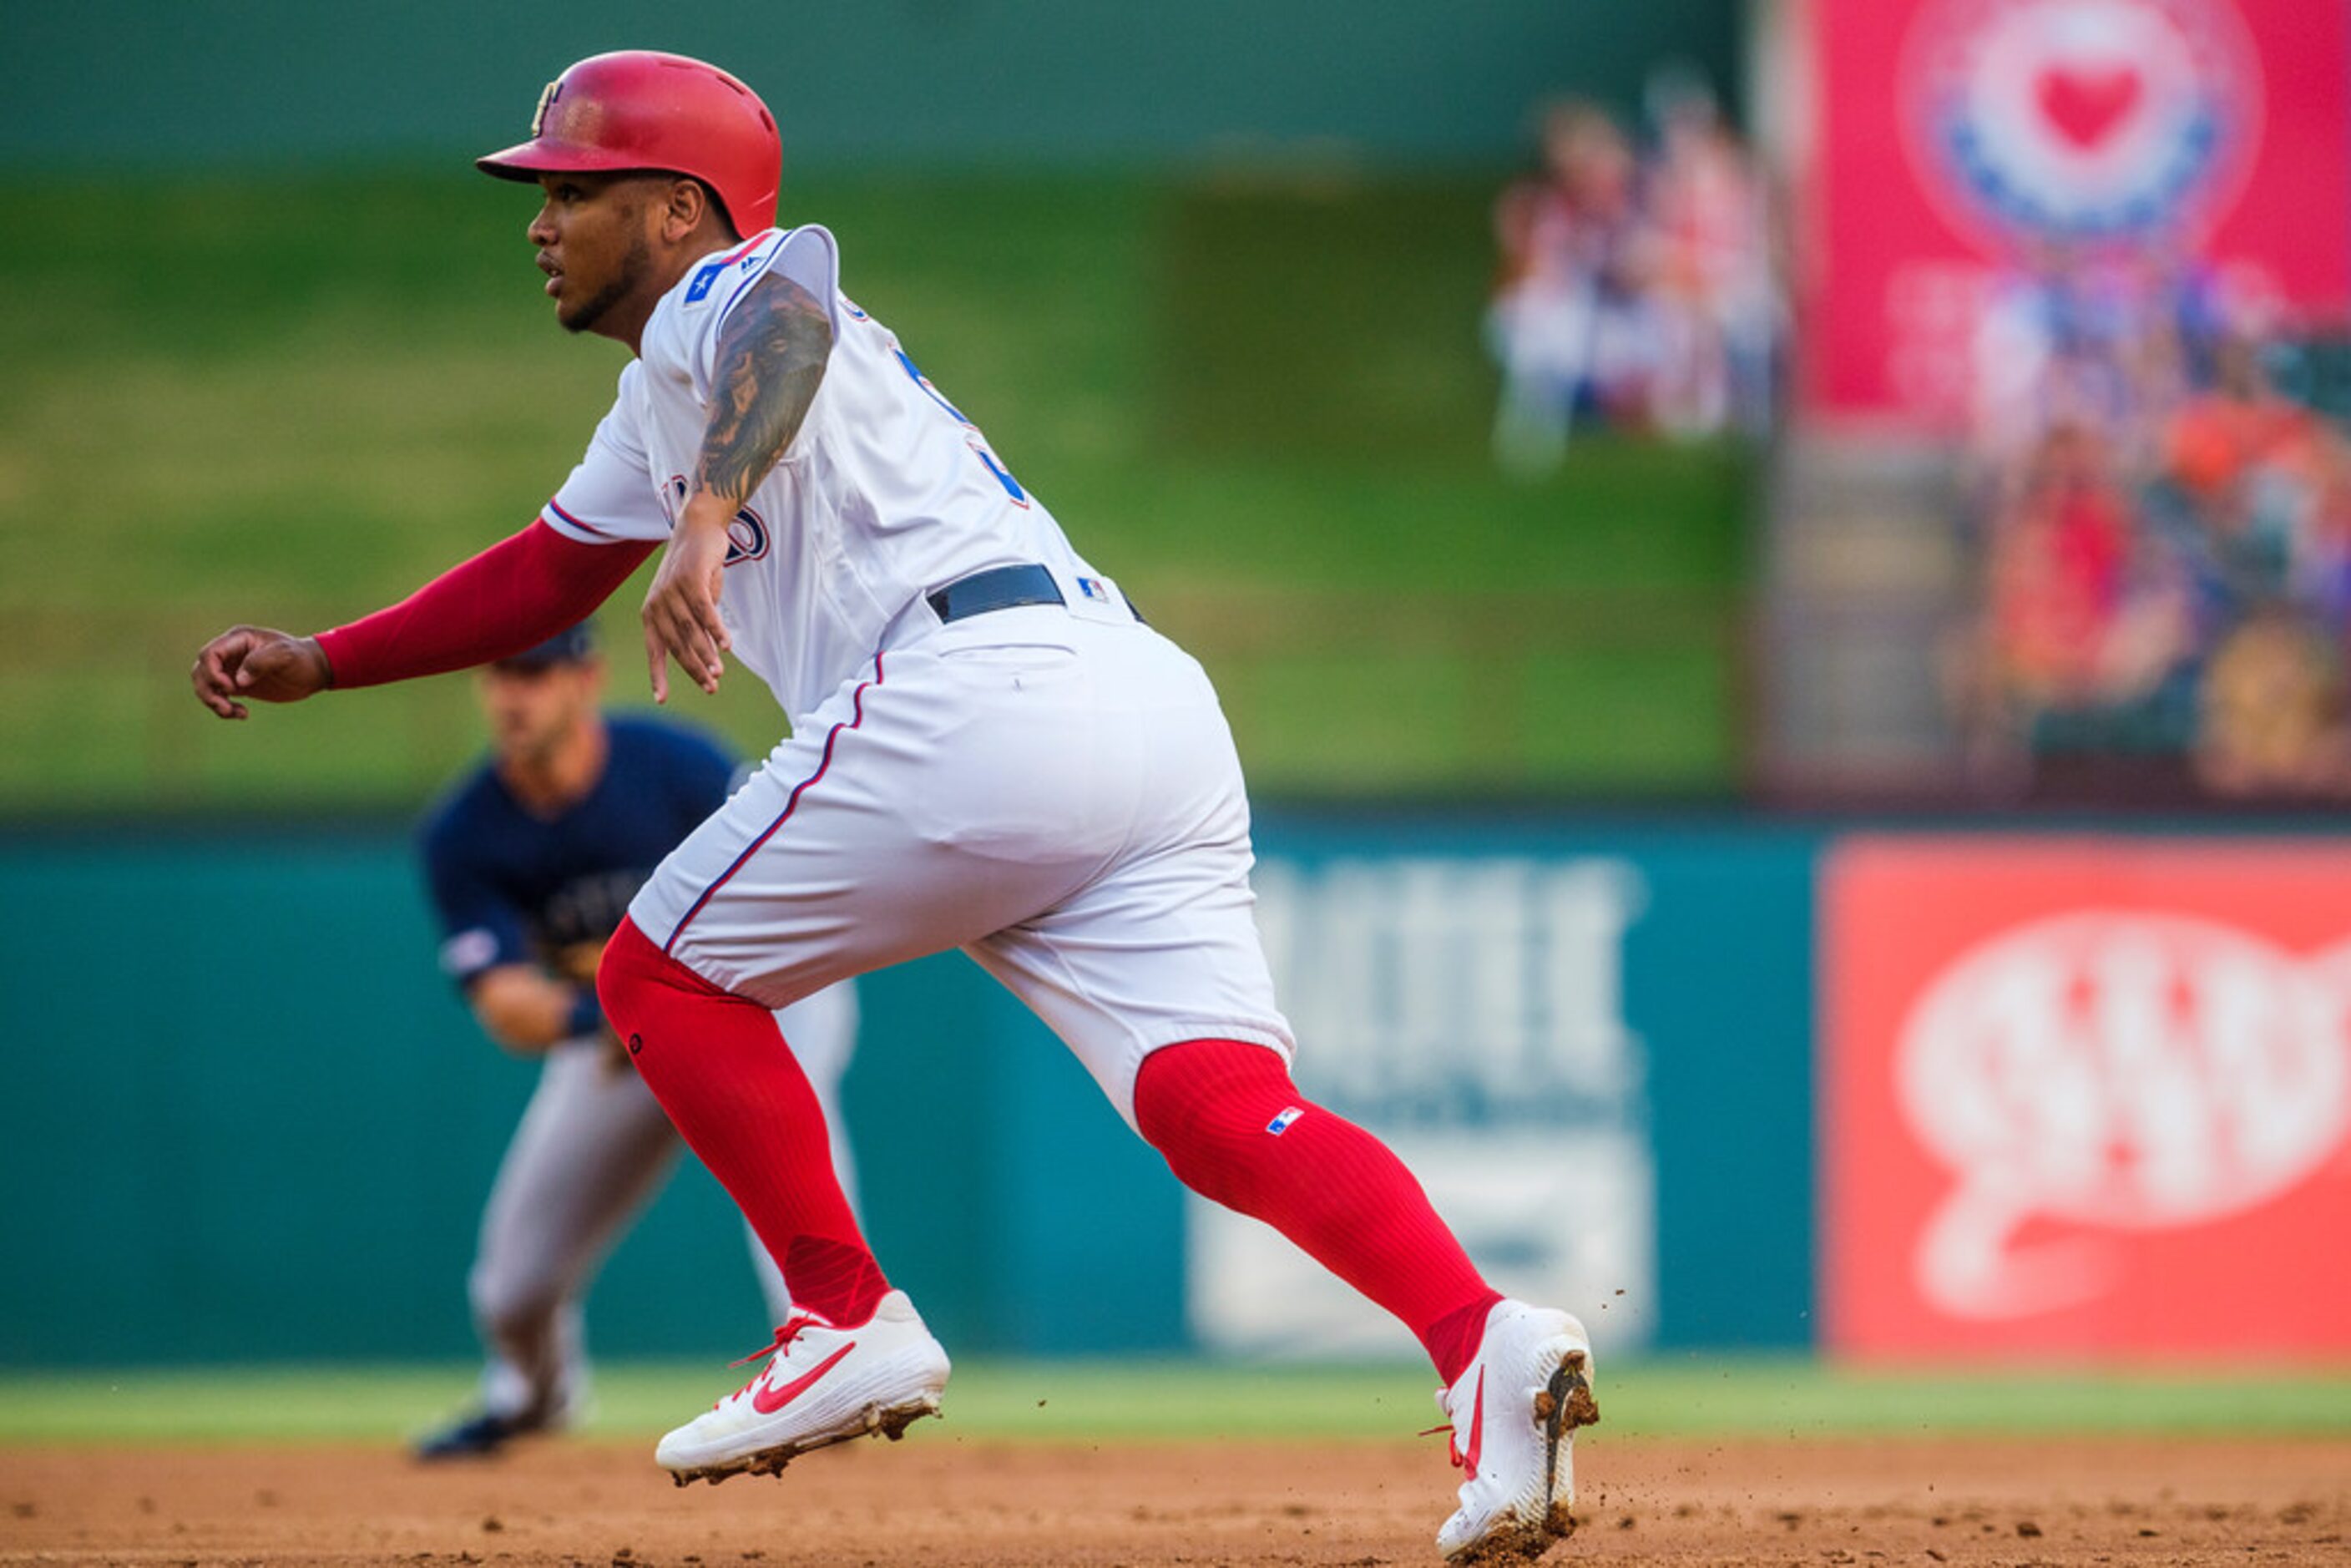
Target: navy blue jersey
(514, 887)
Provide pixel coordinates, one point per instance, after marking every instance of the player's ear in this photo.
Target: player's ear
(688, 205)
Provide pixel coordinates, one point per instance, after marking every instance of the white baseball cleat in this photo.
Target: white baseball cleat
(824, 1384)
(1514, 1412)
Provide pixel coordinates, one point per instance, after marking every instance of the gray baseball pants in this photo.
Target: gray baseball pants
(591, 1150)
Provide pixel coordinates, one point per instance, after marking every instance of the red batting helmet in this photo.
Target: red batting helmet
(638, 109)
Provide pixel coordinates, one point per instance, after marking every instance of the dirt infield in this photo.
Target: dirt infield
(940, 1500)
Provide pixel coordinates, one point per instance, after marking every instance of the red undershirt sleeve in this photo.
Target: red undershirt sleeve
(519, 592)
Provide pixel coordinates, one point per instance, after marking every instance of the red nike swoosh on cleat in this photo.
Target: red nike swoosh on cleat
(767, 1401)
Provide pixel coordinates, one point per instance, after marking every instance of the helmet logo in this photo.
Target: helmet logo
(638, 109)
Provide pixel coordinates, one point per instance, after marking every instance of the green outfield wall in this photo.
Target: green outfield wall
(247, 1120)
(1901, 1092)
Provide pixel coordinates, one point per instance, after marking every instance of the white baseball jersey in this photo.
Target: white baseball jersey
(886, 494)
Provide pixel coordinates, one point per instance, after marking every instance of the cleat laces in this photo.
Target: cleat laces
(1464, 1459)
(1452, 1443)
(782, 1342)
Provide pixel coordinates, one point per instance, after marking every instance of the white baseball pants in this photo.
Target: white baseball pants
(1053, 789)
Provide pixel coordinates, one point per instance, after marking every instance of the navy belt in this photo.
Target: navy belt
(1001, 588)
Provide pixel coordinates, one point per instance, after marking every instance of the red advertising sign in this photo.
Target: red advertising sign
(1941, 142)
(2086, 1098)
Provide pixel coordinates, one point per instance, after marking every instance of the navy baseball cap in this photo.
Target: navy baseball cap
(568, 646)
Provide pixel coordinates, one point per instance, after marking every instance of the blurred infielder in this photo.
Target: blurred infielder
(531, 861)
(990, 750)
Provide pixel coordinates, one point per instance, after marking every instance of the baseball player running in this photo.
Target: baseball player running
(531, 860)
(990, 750)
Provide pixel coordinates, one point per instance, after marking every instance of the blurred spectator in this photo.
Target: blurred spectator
(1636, 297)
(2056, 345)
(2086, 617)
(2273, 717)
(2167, 535)
(1719, 308)
(1567, 320)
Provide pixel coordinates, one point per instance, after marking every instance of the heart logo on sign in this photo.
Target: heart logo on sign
(2087, 103)
(2102, 120)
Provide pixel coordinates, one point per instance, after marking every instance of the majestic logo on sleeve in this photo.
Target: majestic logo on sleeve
(2113, 1071)
(2073, 120)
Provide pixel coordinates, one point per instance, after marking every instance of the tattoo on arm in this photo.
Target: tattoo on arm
(771, 357)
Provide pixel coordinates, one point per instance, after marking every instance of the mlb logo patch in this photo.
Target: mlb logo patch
(699, 290)
(1280, 1123)
(1092, 588)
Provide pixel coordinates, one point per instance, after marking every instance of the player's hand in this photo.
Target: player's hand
(259, 665)
(681, 613)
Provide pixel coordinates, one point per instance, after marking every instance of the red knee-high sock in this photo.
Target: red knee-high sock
(719, 1066)
(1221, 1112)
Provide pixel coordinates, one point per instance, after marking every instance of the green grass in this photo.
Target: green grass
(291, 398)
(1078, 1401)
